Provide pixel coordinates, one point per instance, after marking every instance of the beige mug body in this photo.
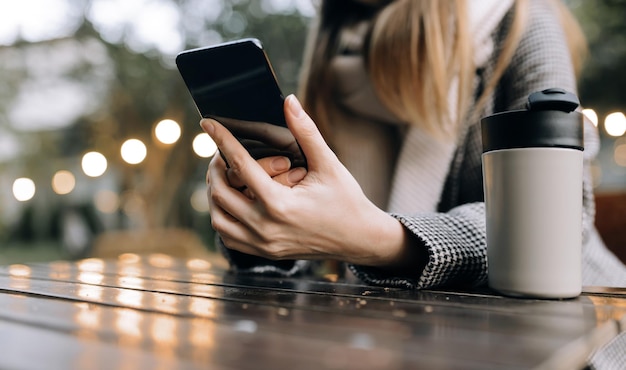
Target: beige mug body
(533, 201)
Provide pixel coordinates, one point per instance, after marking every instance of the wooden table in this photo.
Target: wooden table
(155, 312)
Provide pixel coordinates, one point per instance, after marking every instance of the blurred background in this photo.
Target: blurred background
(100, 149)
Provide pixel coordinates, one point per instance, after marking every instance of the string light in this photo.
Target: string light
(591, 115)
(23, 189)
(94, 164)
(167, 131)
(63, 182)
(615, 124)
(204, 146)
(134, 151)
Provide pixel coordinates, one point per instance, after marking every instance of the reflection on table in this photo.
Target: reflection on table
(156, 312)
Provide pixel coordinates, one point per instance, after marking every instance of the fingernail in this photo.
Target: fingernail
(280, 164)
(294, 106)
(296, 175)
(207, 126)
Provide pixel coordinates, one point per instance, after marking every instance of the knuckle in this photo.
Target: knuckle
(228, 242)
(233, 179)
(273, 252)
(278, 254)
(279, 210)
(271, 244)
(238, 164)
(217, 226)
(216, 195)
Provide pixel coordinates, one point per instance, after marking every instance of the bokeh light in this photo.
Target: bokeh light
(129, 258)
(107, 201)
(204, 146)
(199, 201)
(167, 131)
(63, 182)
(619, 155)
(19, 270)
(615, 124)
(134, 151)
(94, 164)
(591, 115)
(160, 260)
(23, 189)
(132, 204)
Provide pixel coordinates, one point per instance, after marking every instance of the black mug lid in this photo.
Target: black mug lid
(550, 120)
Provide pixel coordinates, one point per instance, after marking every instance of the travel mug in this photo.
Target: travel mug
(533, 178)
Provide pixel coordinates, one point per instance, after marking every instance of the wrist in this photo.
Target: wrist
(400, 251)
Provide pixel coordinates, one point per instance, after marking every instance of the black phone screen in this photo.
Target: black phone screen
(234, 83)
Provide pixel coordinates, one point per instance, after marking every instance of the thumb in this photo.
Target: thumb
(315, 149)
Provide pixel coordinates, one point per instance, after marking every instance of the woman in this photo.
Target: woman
(397, 89)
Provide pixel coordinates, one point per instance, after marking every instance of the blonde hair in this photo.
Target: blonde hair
(414, 72)
(419, 56)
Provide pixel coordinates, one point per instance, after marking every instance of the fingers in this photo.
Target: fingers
(273, 166)
(308, 136)
(235, 233)
(229, 228)
(224, 201)
(242, 165)
(291, 178)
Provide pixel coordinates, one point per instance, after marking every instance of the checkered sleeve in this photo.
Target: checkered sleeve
(456, 245)
(611, 356)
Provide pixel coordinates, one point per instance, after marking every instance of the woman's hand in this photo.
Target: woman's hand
(325, 215)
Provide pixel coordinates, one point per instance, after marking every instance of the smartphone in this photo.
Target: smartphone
(234, 83)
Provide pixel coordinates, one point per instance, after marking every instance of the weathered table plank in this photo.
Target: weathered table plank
(187, 314)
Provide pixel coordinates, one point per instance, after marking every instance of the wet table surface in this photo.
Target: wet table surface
(155, 312)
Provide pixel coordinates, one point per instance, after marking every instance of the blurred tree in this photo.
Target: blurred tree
(604, 76)
(126, 90)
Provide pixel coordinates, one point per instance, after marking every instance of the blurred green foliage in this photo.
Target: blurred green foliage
(127, 89)
(604, 77)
